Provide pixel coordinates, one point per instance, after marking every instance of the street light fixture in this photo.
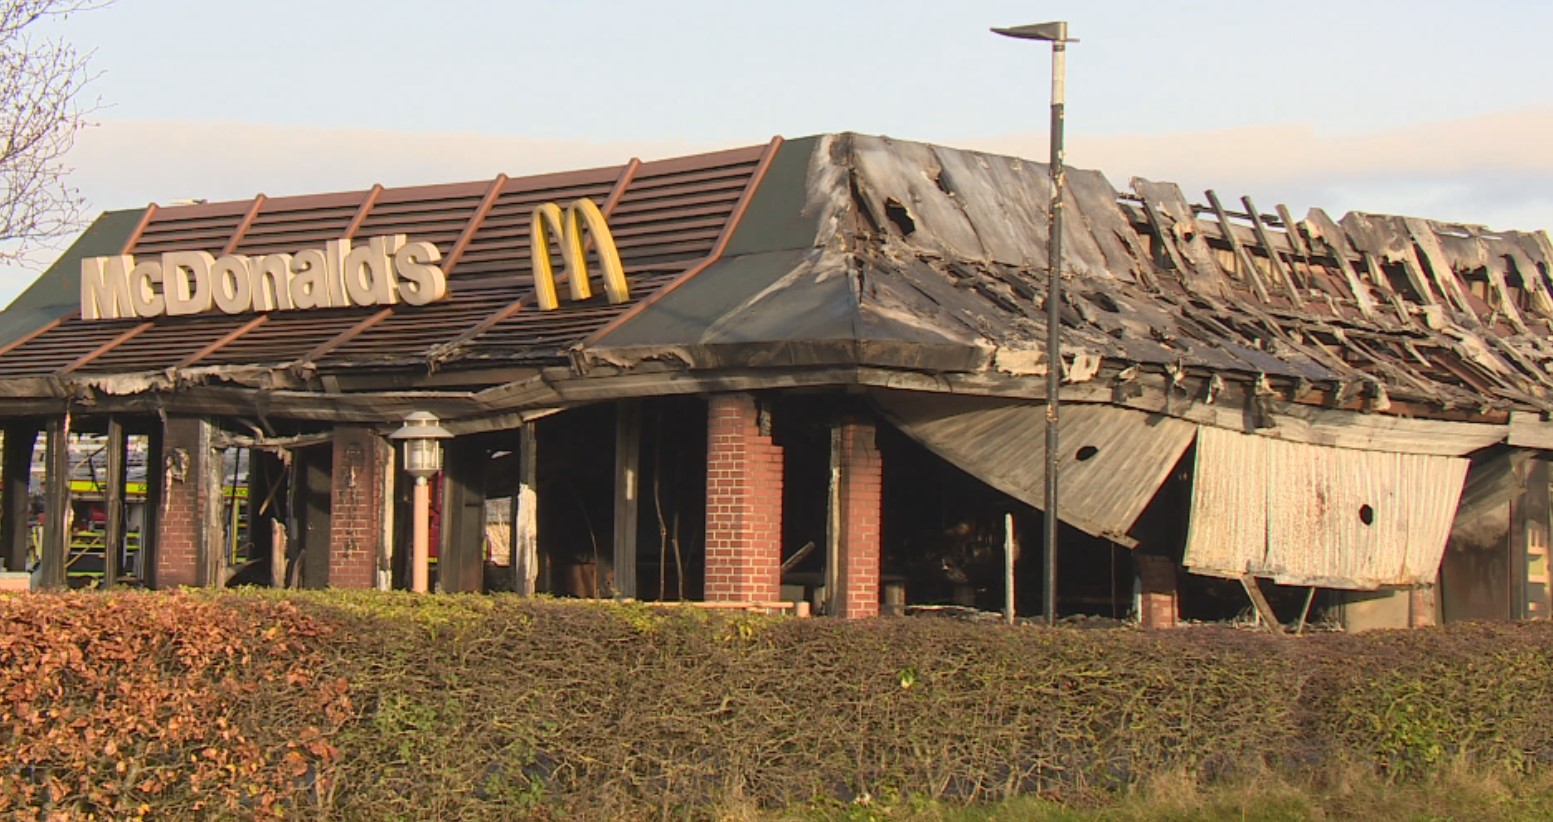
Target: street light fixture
(1056, 33)
(422, 435)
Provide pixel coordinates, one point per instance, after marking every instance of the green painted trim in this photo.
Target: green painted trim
(57, 291)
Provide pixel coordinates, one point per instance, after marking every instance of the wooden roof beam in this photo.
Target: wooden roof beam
(491, 194)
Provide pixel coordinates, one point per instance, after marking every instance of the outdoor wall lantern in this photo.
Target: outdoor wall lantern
(422, 435)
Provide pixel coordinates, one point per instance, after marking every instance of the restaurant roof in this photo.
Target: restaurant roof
(665, 216)
(847, 252)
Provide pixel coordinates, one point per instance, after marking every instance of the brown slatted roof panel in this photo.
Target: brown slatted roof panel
(242, 228)
(87, 358)
(206, 227)
(501, 245)
(317, 214)
(503, 236)
(287, 336)
(289, 224)
(409, 334)
(231, 244)
(752, 184)
(658, 235)
(661, 213)
(74, 318)
(449, 264)
(526, 194)
(152, 209)
(569, 323)
(62, 345)
(219, 342)
(675, 211)
(462, 244)
(315, 353)
(168, 343)
(436, 214)
(27, 338)
(368, 202)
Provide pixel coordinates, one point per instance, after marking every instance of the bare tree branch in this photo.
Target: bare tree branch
(41, 82)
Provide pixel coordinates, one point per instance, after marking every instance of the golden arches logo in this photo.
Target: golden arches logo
(567, 227)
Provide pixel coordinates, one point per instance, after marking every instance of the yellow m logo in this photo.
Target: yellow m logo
(567, 227)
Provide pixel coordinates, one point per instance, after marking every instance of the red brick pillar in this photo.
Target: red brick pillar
(1158, 606)
(358, 507)
(861, 474)
(181, 523)
(743, 504)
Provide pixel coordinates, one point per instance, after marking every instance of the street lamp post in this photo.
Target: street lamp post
(422, 435)
(1055, 33)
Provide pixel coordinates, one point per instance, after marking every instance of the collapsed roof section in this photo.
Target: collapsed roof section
(869, 251)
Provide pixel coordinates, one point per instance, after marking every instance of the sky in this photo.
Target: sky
(1428, 108)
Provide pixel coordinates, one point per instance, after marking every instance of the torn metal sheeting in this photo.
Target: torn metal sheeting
(1112, 460)
(1312, 515)
(1495, 480)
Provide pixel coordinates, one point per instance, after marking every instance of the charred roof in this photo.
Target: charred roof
(849, 251)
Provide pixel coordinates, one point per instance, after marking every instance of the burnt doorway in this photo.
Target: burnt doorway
(307, 553)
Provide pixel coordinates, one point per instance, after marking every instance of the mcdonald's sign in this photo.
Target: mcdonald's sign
(567, 227)
(381, 271)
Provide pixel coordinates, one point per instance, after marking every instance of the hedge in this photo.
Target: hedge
(367, 705)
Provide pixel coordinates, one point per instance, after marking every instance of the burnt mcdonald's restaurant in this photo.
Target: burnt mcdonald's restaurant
(806, 375)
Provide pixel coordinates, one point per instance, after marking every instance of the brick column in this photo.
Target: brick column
(861, 476)
(181, 523)
(1158, 606)
(358, 507)
(743, 504)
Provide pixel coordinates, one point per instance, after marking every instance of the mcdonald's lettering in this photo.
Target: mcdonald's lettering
(381, 271)
(567, 227)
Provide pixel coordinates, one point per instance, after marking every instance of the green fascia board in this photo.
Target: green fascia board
(776, 217)
(57, 291)
(774, 236)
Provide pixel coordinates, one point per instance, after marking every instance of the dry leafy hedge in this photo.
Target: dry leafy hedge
(132, 705)
(368, 705)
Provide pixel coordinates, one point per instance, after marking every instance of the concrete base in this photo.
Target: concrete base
(1368, 611)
